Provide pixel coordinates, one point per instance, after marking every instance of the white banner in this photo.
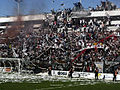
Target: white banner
(85, 75)
(60, 73)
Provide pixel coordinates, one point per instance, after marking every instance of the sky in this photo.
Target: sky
(9, 7)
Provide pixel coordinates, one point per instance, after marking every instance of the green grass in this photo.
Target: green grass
(58, 85)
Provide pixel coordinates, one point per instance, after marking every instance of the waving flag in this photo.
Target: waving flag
(62, 4)
(18, 0)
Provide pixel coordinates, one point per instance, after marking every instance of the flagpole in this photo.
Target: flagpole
(18, 6)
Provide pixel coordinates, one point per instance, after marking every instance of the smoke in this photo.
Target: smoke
(30, 7)
(34, 6)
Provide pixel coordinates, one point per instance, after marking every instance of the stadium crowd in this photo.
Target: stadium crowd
(105, 5)
(62, 40)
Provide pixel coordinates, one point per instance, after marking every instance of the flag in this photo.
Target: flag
(18, 0)
(76, 4)
(53, 1)
(83, 51)
(115, 38)
(62, 4)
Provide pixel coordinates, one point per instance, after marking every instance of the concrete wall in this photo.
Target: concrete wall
(105, 13)
(26, 18)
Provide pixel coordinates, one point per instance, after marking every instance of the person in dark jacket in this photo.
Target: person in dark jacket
(49, 71)
(70, 72)
(114, 75)
(96, 74)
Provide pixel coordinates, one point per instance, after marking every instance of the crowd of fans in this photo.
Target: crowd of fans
(61, 40)
(105, 5)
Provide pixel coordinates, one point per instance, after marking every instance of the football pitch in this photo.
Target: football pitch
(33, 82)
(60, 85)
